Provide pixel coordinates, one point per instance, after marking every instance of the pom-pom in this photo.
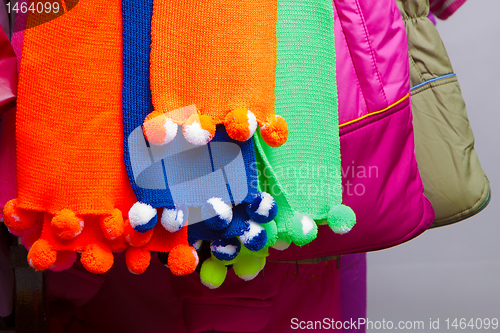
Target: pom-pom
(274, 131)
(142, 217)
(212, 273)
(174, 219)
(41, 255)
(135, 238)
(240, 124)
(65, 259)
(302, 229)
(225, 249)
(282, 243)
(182, 260)
(341, 219)
(255, 238)
(159, 129)
(272, 233)
(248, 266)
(16, 219)
(112, 225)
(66, 225)
(97, 258)
(263, 208)
(137, 259)
(199, 129)
(216, 214)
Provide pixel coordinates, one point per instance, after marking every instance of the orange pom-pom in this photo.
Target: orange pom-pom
(112, 226)
(135, 238)
(41, 255)
(240, 124)
(182, 260)
(199, 129)
(137, 259)
(97, 258)
(159, 129)
(66, 225)
(274, 131)
(16, 219)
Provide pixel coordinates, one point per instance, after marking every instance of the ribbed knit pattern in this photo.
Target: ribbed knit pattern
(219, 55)
(304, 174)
(7, 157)
(69, 126)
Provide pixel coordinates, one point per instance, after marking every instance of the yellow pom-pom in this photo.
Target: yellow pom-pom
(112, 225)
(240, 124)
(212, 273)
(16, 219)
(274, 131)
(199, 129)
(159, 129)
(66, 225)
(182, 260)
(248, 266)
(137, 259)
(97, 258)
(135, 238)
(41, 255)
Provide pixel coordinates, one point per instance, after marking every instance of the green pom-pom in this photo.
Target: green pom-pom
(272, 232)
(302, 229)
(248, 266)
(282, 242)
(341, 219)
(212, 273)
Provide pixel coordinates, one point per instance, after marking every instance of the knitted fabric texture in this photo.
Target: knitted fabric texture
(180, 173)
(219, 56)
(69, 130)
(304, 175)
(150, 186)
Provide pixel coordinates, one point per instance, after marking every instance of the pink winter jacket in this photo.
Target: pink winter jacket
(380, 175)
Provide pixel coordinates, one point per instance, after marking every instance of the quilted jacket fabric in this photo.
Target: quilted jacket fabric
(453, 178)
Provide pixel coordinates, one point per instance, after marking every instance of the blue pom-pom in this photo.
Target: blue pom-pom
(225, 249)
(142, 217)
(263, 208)
(175, 218)
(255, 238)
(216, 214)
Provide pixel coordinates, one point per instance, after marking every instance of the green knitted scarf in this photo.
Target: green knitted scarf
(304, 174)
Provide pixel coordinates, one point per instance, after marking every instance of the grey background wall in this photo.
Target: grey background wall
(454, 271)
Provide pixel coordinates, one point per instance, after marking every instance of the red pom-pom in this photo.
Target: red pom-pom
(41, 255)
(112, 226)
(182, 260)
(136, 238)
(66, 225)
(16, 219)
(274, 131)
(137, 259)
(97, 258)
